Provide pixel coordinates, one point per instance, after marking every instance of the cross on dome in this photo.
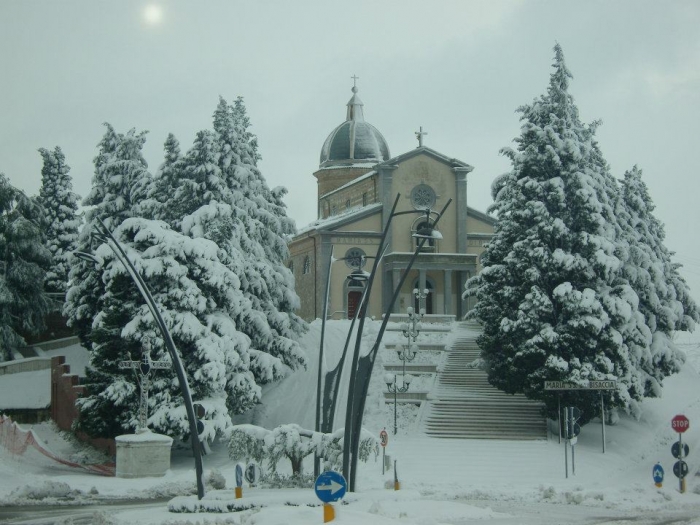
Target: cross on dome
(419, 135)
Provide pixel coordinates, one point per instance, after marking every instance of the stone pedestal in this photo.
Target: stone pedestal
(143, 455)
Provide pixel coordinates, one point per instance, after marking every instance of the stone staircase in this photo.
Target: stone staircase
(462, 404)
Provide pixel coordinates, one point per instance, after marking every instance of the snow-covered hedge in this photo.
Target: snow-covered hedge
(294, 443)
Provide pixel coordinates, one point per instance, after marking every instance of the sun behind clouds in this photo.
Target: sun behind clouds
(153, 14)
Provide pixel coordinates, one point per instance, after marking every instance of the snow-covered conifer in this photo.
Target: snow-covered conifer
(195, 292)
(120, 170)
(61, 206)
(552, 297)
(23, 263)
(163, 184)
(260, 211)
(664, 297)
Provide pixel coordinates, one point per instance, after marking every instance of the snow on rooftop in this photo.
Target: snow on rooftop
(25, 390)
(321, 224)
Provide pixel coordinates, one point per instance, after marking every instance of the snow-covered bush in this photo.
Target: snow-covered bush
(294, 443)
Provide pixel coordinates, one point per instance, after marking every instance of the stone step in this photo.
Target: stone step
(411, 369)
(464, 405)
(469, 435)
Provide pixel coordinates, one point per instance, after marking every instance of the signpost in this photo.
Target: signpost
(239, 481)
(383, 440)
(600, 385)
(680, 423)
(680, 450)
(658, 475)
(330, 486)
(252, 473)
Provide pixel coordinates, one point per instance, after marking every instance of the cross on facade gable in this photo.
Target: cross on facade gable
(143, 368)
(419, 135)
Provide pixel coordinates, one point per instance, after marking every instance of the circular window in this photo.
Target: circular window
(355, 258)
(423, 197)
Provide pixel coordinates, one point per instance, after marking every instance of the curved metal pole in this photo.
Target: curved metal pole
(317, 458)
(355, 356)
(332, 382)
(366, 365)
(170, 345)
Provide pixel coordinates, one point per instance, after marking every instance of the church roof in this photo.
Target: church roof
(354, 141)
(451, 161)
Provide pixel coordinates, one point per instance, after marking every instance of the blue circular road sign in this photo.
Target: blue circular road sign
(676, 450)
(330, 486)
(658, 473)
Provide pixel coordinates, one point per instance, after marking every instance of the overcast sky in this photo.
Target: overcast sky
(458, 68)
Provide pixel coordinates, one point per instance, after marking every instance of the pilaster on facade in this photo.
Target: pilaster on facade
(461, 206)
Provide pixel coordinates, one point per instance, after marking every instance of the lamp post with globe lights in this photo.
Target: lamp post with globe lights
(394, 388)
(420, 296)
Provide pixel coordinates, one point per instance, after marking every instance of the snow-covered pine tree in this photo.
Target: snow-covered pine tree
(268, 282)
(188, 272)
(195, 293)
(23, 263)
(119, 169)
(163, 184)
(551, 297)
(61, 206)
(664, 296)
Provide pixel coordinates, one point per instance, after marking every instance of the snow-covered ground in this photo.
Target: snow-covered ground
(442, 481)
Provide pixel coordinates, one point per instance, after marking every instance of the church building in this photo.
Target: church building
(358, 181)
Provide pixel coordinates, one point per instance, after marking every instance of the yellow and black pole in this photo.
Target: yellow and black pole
(397, 485)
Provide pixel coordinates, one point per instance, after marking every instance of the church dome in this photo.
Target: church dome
(354, 141)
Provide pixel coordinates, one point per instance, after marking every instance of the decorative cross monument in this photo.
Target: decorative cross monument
(143, 369)
(419, 135)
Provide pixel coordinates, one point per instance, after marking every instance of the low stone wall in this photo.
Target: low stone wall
(25, 365)
(65, 391)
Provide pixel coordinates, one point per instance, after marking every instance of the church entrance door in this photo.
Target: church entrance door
(353, 303)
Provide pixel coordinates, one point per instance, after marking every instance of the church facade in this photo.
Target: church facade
(358, 182)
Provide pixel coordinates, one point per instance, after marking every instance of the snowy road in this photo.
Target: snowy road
(73, 514)
(496, 513)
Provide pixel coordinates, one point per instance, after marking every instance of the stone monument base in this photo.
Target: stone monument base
(143, 455)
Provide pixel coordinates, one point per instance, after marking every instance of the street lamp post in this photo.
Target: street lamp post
(394, 388)
(420, 295)
(361, 370)
(103, 234)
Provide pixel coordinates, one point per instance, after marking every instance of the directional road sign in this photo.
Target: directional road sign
(239, 475)
(680, 469)
(676, 450)
(330, 486)
(680, 423)
(658, 473)
(252, 473)
(570, 385)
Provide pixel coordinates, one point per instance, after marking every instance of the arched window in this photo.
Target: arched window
(307, 265)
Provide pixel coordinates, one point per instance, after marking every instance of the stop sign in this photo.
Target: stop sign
(680, 423)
